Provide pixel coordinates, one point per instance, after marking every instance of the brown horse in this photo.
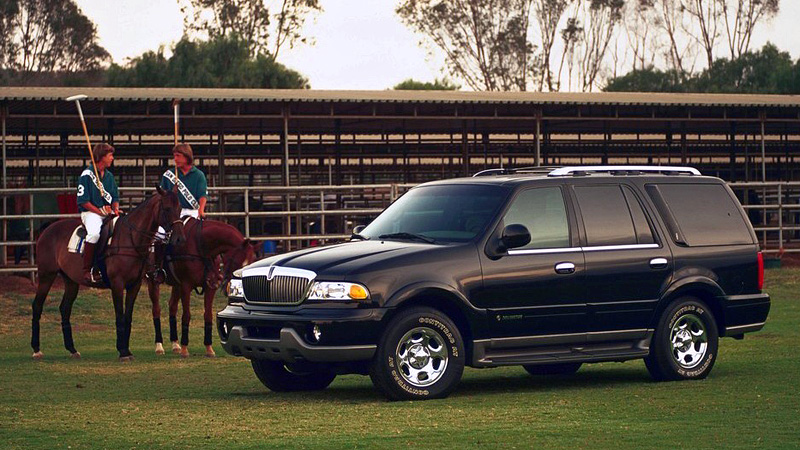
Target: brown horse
(124, 260)
(197, 265)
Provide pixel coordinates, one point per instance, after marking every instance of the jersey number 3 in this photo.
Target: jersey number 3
(80, 190)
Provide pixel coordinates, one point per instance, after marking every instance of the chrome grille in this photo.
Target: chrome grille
(281, 289)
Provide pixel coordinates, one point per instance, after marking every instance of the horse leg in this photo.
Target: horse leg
(208, 319)
(130, 299)
(154, 292)
(117, 292)
(70, 293)
(186, 295)
(45, 282)
(173, 319)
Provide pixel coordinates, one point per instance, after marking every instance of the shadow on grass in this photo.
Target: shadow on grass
(472, 386)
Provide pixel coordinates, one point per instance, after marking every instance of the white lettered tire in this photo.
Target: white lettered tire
(420, 356)
(685, 343)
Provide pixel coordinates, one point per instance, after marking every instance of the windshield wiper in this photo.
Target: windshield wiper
(405, 235)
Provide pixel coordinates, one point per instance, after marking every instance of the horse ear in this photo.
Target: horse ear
(160, 190)
(246, 242)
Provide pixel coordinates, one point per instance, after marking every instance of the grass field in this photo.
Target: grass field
(751, 399)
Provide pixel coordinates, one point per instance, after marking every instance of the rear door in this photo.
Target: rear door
(627, 263)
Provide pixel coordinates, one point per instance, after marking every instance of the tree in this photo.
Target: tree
(741, 18)
(705, 16)
(438, 85)
(485, 41)
(48, 35)
(640, 21)
(766, 71)
(589, 41)
(252, 21)
(548, 15)
(648, 80)
(223, 62)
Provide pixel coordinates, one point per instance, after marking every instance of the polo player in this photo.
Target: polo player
(192, 190)
(96, 202)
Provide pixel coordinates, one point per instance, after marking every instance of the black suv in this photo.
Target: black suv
(547, 270)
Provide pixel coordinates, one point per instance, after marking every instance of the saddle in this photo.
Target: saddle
(78, 237)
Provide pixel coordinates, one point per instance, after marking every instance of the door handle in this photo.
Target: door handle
(565, 268)
(658, 263)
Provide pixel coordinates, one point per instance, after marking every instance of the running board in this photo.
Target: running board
(485, 355)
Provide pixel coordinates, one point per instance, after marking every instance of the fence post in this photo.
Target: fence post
(780, 217)
(247, 213)
(32, 245)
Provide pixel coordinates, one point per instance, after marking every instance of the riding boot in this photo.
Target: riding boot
(88, 261)
(158, 275)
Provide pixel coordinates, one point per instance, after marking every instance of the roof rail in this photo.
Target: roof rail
(581, 170)
(511, 170)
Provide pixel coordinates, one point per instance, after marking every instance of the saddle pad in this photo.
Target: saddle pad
(76, 240)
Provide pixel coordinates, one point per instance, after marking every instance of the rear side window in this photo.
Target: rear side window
(705, 214)
(612, 216)
(543, 213)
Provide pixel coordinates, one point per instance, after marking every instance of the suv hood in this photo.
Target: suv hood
(335, 262)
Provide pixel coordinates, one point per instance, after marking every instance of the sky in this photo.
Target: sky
(360, 44)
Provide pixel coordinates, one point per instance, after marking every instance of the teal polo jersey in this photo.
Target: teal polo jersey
(195, 182)
(89, 192)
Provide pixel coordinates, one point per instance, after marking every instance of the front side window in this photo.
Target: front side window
(444, 213)
(544, 214)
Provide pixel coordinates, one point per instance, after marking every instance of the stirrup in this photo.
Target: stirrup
(91, 279)
(157, 276)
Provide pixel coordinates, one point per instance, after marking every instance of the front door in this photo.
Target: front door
(536, 289)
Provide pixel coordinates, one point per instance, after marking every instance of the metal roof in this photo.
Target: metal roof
(392, 96)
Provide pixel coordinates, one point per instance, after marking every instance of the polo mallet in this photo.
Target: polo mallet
(77, 99)
(176, 114)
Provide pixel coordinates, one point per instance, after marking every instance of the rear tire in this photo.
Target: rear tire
(420, 356)
(552, 369)
(278, 377)
(685, 343)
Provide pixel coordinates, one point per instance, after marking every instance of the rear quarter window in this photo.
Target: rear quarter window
(705, 214)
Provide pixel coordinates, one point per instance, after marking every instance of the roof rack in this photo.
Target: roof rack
(512, 170)
(583, 170)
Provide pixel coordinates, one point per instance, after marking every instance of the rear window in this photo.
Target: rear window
(704, 214)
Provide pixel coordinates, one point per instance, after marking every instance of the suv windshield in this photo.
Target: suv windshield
(445, 213)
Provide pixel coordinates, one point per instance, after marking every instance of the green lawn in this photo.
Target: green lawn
(751, 399)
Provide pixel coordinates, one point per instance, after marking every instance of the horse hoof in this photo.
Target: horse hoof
(184, 355)
(211, 354)
(76, 355)
(176, 348)
(38, 356)
(159, 349)
(126, 359)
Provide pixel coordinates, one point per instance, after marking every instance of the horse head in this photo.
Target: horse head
(169, 216)
(238, 257)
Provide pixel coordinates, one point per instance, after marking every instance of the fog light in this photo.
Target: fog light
(224, 329)
(317, 333)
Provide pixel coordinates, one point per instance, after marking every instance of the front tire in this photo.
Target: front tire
(420, 356)
(685, 343)
(278, 377)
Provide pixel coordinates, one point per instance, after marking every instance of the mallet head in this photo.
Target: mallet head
(76, 98)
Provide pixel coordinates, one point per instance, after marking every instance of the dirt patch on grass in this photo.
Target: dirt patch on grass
(22, 284)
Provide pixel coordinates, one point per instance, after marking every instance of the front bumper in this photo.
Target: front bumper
(348, 334)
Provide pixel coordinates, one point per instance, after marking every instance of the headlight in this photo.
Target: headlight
(235, 289)
(327, 290)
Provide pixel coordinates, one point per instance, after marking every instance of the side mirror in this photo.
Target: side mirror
(515, 235)
(356, 234)
(511, 236)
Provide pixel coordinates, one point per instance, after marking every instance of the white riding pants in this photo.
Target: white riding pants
(161, 234)
(93, 223)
